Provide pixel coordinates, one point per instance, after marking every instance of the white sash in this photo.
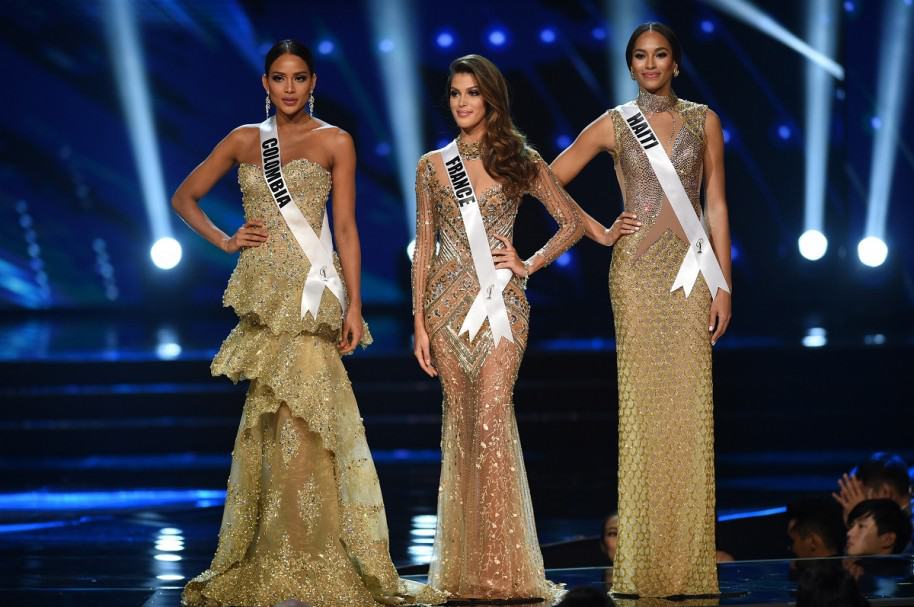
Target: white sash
(700, 256)
(489, 302)
(319, 251)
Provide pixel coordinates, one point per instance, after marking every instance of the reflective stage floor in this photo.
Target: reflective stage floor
(142, 557)
(114, 453)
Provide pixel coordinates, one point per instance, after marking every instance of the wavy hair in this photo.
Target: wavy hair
(505, 154)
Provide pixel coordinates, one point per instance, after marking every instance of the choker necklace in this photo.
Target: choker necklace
(648, 102)
(469, 151)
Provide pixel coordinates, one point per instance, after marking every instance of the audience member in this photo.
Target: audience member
(816, 528)
(877, 526)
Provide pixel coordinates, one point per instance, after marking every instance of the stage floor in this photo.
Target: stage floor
(142, 556)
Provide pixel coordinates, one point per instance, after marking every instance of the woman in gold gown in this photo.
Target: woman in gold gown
(663, 337)
(303, 515)
(485, 545)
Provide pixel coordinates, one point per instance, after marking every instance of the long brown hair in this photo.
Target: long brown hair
(505, 155)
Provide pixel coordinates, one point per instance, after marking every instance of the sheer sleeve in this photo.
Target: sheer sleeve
(425, 235)
(546, 189)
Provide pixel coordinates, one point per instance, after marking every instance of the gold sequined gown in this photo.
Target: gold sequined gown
(303, 514)
(666, 428)
(485, 543)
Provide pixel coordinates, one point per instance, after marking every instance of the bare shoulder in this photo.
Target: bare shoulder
(334, 137)
(245, 134)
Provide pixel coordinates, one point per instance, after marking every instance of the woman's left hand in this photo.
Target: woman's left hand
(508, 258)
(720, 316)
(352, 330)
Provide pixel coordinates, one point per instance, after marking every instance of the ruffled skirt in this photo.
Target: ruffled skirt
(303, 518)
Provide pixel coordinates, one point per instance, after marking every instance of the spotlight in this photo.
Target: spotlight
(444, 40)
(547, 35)
(386, 45)
(784, 132)
(325, 47)
(707, 26)
(165, 253)
(816, 337)
(169, 577)
(497, 37)
(727, 135)
(382, 149)
(872, 251)
(876, 123)
(849, 6)
(562, 141)
(411, 249)
(598, 33)
(813, 244)
(564, 260)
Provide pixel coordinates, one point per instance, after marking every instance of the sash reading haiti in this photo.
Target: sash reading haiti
(489, 302)
(696, 258)
(318, 250)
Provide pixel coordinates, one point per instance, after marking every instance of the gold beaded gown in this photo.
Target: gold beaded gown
(666, 428)
(485, 544)
(303, 513)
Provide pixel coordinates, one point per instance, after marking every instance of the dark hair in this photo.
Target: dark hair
(653, 26)
(889, 518)
(821, 516)
(885, 469)
(290, 47)
(827, 584)
(505, 154)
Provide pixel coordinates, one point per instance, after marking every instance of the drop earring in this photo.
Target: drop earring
(632, 72)
(311, 104)
(676, 73)
(266, 107)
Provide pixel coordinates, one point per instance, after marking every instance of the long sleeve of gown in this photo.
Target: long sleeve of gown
(425, 236)
(547, 189)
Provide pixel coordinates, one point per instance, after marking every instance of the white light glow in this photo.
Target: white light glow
(754, 17)
(168, 558)
(169, 577)
(813, 244)
(872, 251)
(166, 253)
(816, 337)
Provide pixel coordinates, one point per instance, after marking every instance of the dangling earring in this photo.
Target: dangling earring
(266, 106)
(632, 72)
(676, 73)
(311, 104)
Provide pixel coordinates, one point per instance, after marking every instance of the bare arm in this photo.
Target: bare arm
(718, 220)
(346, 233)
(186, 199)
(599, 136)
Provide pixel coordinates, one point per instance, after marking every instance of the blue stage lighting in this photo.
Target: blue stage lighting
(623, 16)
(812, 244)
(727, 135)
(876, 123)
(130, 71)
(707, 26)
(443, 142)
(382, 149)
(849, 6)
(547, 35)
(564, 260)
(891, 89)
(815, 337)
(562, 141)
(399, 70)
(872, 251)
(386, 45)
(598, 33)
(821, 15)
(754, 17)
(784, 132)
(444, 39)
(165, 253)
(497, 37)
(325, 47)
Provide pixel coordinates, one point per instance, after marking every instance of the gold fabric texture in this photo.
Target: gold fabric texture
(303, 518)
(485, 543)
(666, 429)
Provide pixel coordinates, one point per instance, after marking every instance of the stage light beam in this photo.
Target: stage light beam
(890, 99)
(130, 75)
(399, 68)
(821, 28)
(754, 17)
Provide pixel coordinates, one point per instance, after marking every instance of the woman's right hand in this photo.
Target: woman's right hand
(626, 223)
(422, 351)
(251, 234)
